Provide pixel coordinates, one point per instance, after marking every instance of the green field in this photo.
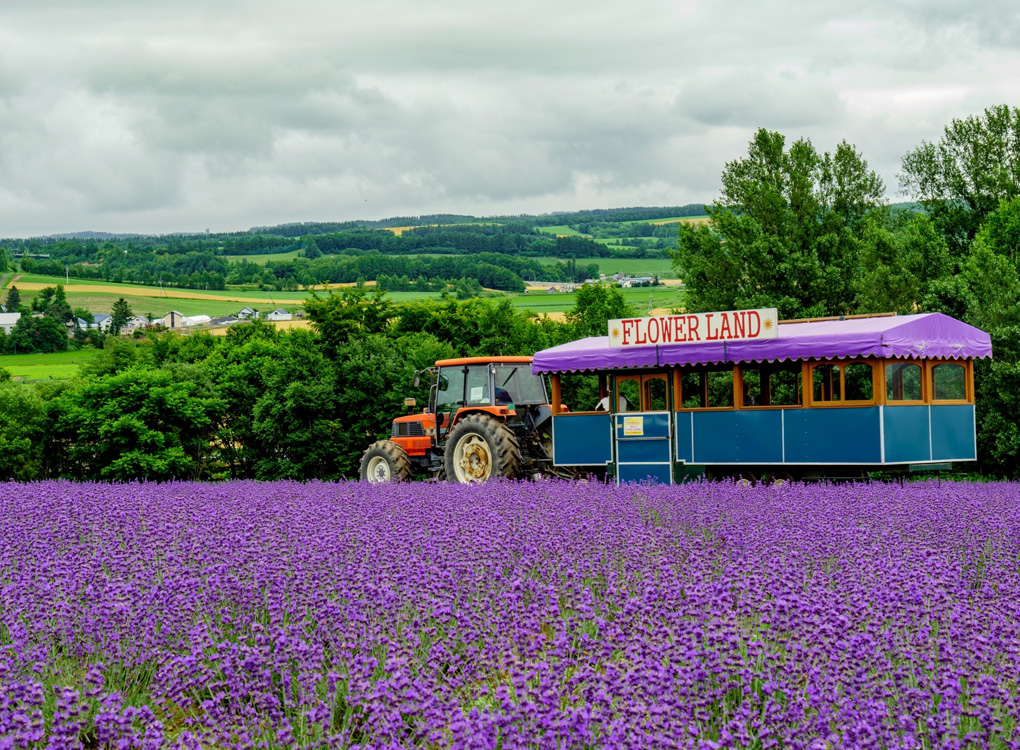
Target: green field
(56, 366)
(671, 220)
(561, 229)
(642, 300)
(261, 259)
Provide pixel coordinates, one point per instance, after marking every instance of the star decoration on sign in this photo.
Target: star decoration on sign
(767, 324)
(615, 333)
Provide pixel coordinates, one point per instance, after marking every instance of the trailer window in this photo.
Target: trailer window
(656, 398)
(903, 381)
(720, 388)
(754, 392)
(826, 384)
(692, 389)
(841, 383)
(949, 382)
(784, 386)
(858, 382)
(628, 390)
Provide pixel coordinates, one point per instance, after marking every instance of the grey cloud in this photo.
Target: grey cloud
(146, 116)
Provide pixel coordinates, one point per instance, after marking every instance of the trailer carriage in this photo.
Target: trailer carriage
(823, 398)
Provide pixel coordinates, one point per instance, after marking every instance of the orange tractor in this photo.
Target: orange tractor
(487, 417)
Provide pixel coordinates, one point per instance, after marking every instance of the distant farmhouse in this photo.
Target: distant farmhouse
(8, 321)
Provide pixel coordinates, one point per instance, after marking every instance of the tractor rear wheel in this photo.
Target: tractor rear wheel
(480, 448)
(385, 461)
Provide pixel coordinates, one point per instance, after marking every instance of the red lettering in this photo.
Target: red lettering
(653, 336)
(678, 328)
(739, 325)
(692, 328)
(627, 325)
(641, 337)
(757, 324)
(710, 335)
(724, 329)
(667, 330)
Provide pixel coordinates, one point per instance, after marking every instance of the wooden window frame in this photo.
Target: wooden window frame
(968, 381)
(702, 371)
(642, 379)
(924, 383)
(768, 369)
(877, 383)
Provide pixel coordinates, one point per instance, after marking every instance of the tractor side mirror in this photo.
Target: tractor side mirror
(417, 379)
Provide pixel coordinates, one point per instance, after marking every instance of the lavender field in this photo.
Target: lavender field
(546, 615)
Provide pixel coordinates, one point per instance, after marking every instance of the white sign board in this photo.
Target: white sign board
(696, 328)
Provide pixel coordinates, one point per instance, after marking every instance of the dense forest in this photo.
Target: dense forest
(806, 231)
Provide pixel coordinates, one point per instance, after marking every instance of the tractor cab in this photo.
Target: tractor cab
(498, 386)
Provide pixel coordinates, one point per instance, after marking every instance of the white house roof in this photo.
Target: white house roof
(9, 319)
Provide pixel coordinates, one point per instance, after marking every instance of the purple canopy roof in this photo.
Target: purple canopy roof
(932, 335)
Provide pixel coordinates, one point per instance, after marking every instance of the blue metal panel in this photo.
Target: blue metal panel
(906, 434)
(651, 425)
(684, 427)
(642, 451)
(582, 439)
(952, 432)
(750, 436)
(659, 474)
(833, 436)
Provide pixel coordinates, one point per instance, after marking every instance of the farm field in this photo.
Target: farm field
(674, 220)
(261, 258)
(643, 300)
(561, 231)
(544, 614)
(56, 366)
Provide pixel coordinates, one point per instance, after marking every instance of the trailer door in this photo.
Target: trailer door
(643, 428)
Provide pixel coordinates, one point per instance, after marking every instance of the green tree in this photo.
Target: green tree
(353, 313)
(966, 175)
(786, 231)
(137, 424)
(58, 307)
(22, 432)
(312, 250)
(594, 306)
(902, 267)
(120, 315)
(13, 299)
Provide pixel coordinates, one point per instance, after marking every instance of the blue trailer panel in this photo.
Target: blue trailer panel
(582, 439)
(952, 433)
(833, 436)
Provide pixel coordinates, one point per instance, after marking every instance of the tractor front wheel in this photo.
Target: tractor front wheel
(385, 461)
(480, 448)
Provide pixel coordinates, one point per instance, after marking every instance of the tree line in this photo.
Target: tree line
(261, 403)
(812, 234)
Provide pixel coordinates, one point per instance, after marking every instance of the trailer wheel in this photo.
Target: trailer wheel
(480, 448)
(385, 461)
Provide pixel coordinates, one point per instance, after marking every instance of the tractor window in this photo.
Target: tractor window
(477, 392)
(517, 384)
(450, 389)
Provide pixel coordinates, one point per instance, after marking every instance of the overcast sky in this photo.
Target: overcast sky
(158, 116)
